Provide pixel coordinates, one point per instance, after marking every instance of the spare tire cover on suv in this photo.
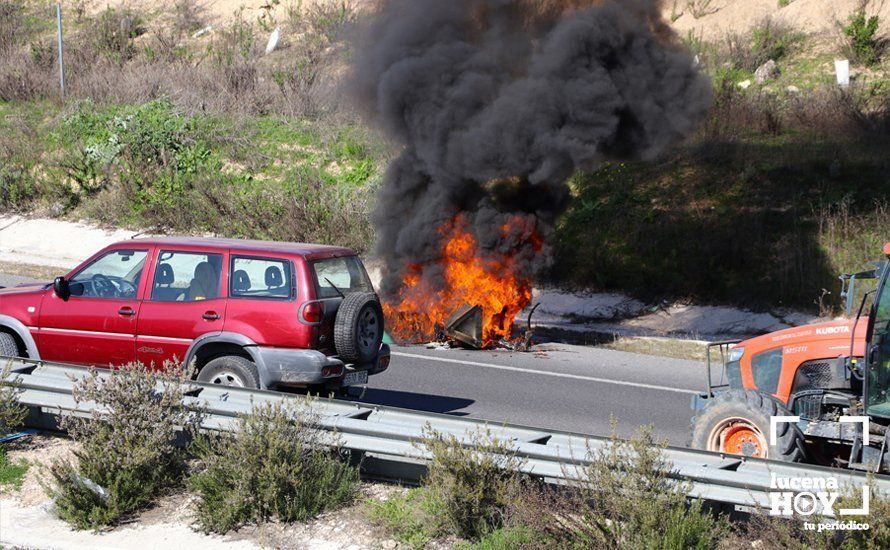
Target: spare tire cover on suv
(358, 329)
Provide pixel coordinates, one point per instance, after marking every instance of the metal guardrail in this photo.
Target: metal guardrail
(386, 438)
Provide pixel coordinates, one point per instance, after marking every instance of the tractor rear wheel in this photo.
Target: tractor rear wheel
(738, 422)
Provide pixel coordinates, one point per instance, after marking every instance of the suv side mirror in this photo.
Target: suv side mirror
(61, 288)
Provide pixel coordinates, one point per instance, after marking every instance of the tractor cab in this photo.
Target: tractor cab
(817, 373)
(877, 364)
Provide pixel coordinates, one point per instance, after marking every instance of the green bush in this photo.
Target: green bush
(276, 465)
(864, 45)
(767, 40)
(701, 8)
(112, 33)
(12, 25)
(474, 487)
(771, 40)
(17, 188)
(878, 533)
(12, 413)
(628, 500)
(153, 152)
(126, 450)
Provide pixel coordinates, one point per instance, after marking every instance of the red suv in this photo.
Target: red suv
(247, 313)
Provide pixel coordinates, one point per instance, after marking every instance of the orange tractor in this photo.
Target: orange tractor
(824, 374)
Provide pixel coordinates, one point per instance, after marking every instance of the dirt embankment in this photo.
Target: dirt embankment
(708, 19)
(711, 20)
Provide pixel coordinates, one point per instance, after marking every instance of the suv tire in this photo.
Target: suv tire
(8, 346)
(358, 329)
(739, 420)
(230, 370)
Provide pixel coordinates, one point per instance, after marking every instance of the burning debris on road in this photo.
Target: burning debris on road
(495, 104)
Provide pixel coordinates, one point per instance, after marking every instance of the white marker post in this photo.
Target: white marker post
(842, 70)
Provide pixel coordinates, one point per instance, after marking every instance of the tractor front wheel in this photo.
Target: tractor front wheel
(738, 422)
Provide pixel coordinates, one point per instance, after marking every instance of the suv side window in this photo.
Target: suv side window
(186, 277)
(261, 278)
(114, 275)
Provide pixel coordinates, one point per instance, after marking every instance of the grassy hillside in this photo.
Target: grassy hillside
(168, 127)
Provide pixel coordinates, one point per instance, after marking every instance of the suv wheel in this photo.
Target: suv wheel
(230, 370)
(358, 330)
(8, 345)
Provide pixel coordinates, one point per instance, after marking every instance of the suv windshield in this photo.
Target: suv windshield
(345, 275)
(113, 275)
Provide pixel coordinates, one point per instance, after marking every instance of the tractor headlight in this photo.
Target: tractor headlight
(735, 354)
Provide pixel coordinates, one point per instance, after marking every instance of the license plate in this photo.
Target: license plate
(355, 378)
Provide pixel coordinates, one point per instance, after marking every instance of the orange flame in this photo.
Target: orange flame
(491, 282)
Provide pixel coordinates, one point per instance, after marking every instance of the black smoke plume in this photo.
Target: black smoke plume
(496, 103)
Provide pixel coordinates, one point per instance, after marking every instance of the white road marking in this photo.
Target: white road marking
(545, 373)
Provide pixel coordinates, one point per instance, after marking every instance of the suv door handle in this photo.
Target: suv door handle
(126, 311)
(211, 316)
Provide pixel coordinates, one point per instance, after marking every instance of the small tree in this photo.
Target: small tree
(864, 45)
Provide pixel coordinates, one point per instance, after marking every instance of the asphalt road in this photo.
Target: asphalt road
(558, 387)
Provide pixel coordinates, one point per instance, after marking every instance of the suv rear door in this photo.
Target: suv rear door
(185, 299)
(333, 277)
(96, 325)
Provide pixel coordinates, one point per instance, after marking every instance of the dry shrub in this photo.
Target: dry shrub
(112, 33)
(629, 499)
(330, 19)
(736, 115)
(778, 533)
(768, 39)
(857, 113)
(276, 465)
(313, 211)
(188, 16)
(127, 451)
(475, 486)
(853, 236)
(13, 29)
(24, 77)
(12, 413)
